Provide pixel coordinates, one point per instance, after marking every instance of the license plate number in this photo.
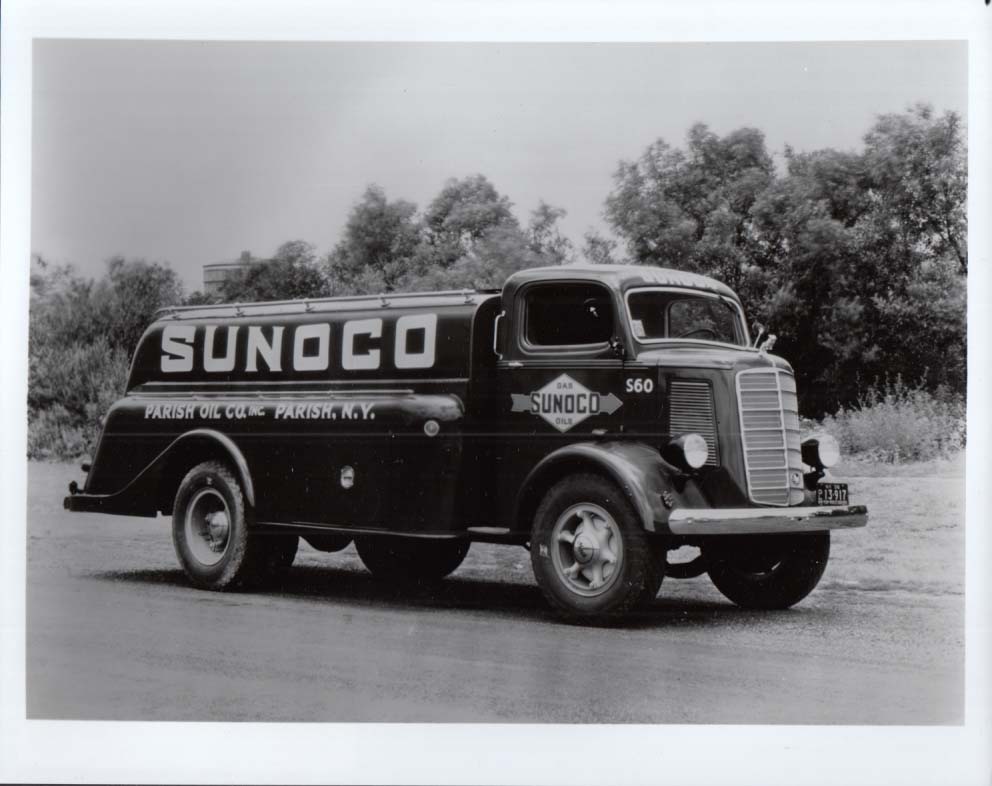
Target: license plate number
(831, 494)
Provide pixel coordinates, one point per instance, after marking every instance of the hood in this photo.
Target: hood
(710, 356)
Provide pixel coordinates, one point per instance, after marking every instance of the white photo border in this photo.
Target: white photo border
(52, 751)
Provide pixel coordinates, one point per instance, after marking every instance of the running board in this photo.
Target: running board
(478, 534)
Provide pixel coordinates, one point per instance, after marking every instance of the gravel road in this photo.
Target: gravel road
(115, 632)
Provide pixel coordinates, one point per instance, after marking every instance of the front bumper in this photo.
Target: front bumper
(759, 521)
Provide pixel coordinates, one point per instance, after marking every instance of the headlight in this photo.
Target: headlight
(821, 451)
(688, 451)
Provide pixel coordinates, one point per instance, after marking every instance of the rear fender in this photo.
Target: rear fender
(205, 441)
(156, 484)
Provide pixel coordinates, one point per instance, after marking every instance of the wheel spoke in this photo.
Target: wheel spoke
(588, 562)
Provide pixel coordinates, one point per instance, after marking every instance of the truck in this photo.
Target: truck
(604, 417)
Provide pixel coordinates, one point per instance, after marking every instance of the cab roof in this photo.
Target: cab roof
(622, 277)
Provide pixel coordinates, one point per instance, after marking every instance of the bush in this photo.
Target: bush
(898, 422)
(71, 387)
(82, 333)
(56, 434)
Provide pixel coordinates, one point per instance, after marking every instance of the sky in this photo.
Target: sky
(191, 152)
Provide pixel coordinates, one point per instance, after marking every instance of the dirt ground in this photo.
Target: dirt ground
(116, 632)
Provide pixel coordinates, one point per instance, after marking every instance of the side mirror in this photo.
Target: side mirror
(757, 331)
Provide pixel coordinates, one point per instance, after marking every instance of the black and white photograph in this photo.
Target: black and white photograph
(548, 394)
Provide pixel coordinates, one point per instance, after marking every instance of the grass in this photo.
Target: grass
(914, 541)
(862, 466)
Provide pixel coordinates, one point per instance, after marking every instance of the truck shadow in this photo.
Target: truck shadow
(500, 599)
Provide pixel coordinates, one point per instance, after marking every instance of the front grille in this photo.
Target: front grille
(690, 409)
(769, 414)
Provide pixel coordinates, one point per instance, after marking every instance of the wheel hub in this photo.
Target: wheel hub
(217, 529)
(588, 549)
(585, 548)
(208, 526)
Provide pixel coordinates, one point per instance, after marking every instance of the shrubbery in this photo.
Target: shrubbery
(82, 334)
(897, 422)
(71, 387)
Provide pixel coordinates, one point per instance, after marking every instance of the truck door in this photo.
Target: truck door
(560, 378)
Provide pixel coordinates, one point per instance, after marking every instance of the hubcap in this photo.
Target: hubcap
(587, 549)
(208, 526)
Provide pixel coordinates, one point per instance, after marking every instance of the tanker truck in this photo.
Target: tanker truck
(603, 417)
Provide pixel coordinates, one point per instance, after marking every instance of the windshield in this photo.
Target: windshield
(657, 315)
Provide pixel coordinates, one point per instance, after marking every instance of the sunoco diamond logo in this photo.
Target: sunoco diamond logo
(564, 403)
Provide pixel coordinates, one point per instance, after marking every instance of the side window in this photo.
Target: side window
(557, 315)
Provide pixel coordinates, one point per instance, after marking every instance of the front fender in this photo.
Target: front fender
(637, 469)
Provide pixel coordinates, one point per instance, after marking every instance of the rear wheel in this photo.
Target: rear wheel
(768, 571)
(411, 560)
(210, 528)
(591, 556)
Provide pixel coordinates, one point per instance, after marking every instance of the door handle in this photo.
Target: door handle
(514, 364)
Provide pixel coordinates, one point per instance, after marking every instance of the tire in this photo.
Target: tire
(768, 571)
(411, 560)
(591, 556)
(216, 553)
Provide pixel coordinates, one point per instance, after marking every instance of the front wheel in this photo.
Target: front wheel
(410, 560)
(768, 571)
(591, 556)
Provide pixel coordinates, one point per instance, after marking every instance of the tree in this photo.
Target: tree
(131, 293)
(471, 239)
(500, 252)
(918, 166)
(457, 219)
(855, 259)
(599, 250)
(466, 209)
(82, 335)
(69, 309)
(691, 209)
(546, 239)
(378, 247)
(293, 273)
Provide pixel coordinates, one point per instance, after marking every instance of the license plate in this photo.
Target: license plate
(831, 494)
